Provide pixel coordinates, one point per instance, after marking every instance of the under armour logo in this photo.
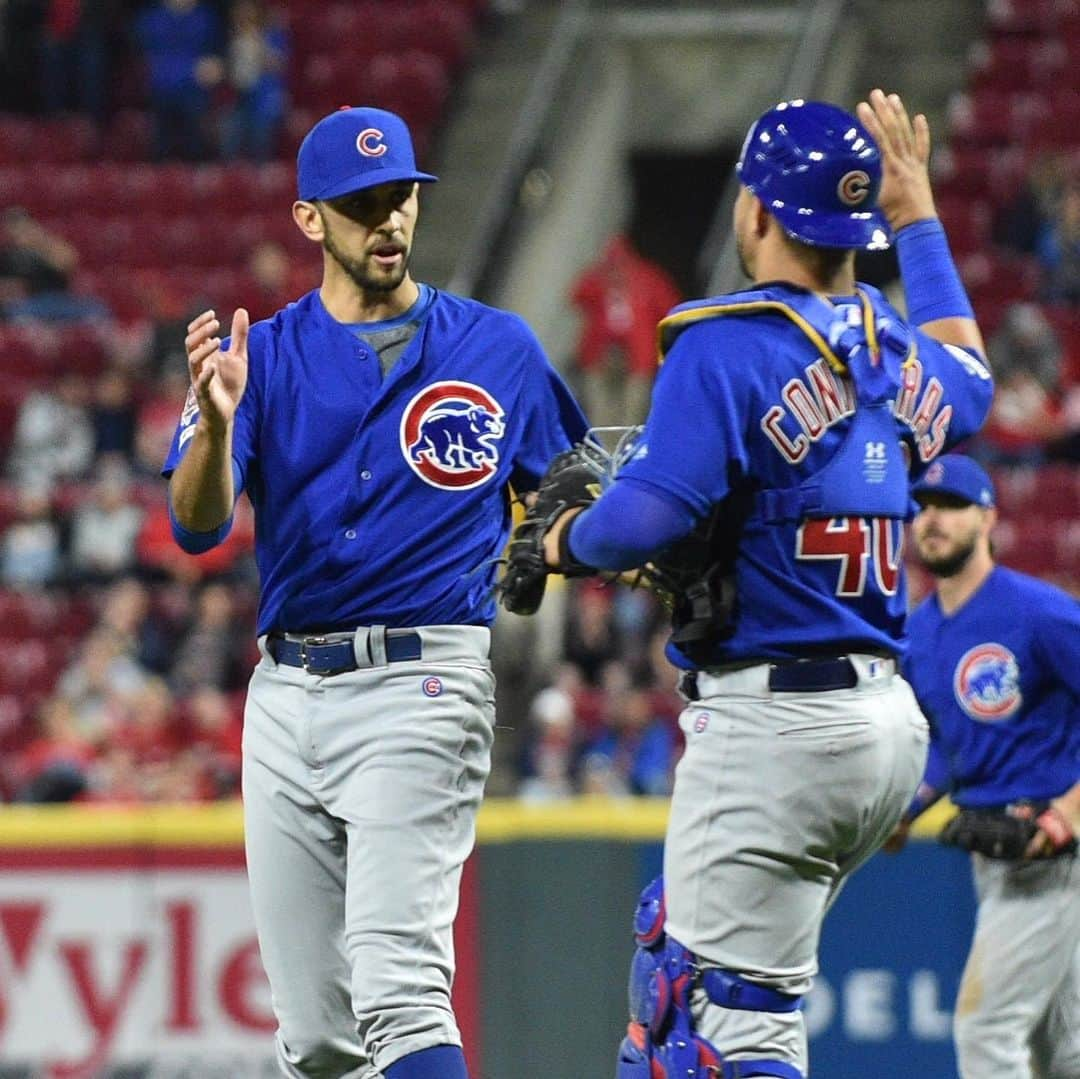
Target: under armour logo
(875, 451)
(369, 142)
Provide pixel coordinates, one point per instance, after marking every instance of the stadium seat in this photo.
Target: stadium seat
(128, 136)
(995, 276)
(975, 172)
(431, 26)
(1019, 63)
(991, 117)
(82, 348)
(1027, 16)
(966, 220)
(414, 84)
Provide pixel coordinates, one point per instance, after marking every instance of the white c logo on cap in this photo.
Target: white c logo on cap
(853, 187)
(369, 142)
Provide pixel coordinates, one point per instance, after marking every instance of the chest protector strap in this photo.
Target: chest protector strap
(868, 474)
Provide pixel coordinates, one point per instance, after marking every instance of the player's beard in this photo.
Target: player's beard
(358, 270)
(951, 564)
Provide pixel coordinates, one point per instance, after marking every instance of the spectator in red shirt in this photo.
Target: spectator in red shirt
(622, 297)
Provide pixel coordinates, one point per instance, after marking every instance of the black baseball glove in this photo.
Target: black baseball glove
(1006, 834)
(572, 479)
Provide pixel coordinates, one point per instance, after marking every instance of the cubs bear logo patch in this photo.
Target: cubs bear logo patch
(987, 682)
(450, 434)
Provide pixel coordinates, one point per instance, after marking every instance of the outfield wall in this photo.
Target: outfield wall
(126, 947)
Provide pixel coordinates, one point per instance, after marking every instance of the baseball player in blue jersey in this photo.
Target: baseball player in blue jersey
(995, 663)
(785, 424)
(377, 426)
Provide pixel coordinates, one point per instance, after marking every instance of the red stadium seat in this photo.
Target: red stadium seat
(1057, 125)
(128, 137)
(992, 117)
(26, 664)
(967, 222)
(66, 139)
(83, 348)
(1028, 545)
(413, 84)
(431, 26)
(978, 172)
(1032, 17)
(327, 81)
(995, 277)
(1019, 63)
(17, 139)
(1067, 544)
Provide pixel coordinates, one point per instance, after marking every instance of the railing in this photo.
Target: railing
(809, 25)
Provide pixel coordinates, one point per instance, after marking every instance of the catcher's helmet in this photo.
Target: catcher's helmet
(817, 170)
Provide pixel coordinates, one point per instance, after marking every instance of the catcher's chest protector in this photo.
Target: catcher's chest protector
(868, 474)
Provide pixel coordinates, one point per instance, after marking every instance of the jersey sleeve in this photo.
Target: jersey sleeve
(245, 424)
(553, 420)
(967, 385)
(695, 442)
(1057, 635)
(599, 536)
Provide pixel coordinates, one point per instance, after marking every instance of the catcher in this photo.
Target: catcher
(766, 498)
(993, 662)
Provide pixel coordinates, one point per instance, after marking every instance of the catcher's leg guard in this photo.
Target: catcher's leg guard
(660, 1042)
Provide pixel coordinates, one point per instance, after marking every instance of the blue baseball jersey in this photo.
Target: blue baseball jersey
(754, 410)
(999, 681)
(385, 501)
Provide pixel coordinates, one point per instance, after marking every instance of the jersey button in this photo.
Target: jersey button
(350, 533)
(365, 475)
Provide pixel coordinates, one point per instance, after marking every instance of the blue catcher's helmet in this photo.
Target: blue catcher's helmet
(817, 170)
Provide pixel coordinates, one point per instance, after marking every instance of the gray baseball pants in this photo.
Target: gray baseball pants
(360, 798)
(778, 797)
(1018, 1009)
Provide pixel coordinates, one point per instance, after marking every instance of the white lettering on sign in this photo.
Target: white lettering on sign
(871, 1004)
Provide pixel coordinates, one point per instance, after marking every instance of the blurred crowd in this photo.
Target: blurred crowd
(212, 74)
(126, 658)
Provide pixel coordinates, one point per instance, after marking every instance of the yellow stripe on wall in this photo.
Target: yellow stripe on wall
(220, 824)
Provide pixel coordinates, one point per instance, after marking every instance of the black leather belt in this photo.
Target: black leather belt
(796, 676)
(813, 675)
(317, 655)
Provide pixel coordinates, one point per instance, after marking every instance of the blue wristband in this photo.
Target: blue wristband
(932, 285)
(198, 542)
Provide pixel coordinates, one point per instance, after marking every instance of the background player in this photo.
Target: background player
(993, 662)
(376, 425)
(784, 424)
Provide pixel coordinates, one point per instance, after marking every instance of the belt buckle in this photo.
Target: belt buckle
(305, 660)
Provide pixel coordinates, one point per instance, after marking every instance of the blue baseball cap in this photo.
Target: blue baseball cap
(817, 170)
(957, 475)
(352, 149)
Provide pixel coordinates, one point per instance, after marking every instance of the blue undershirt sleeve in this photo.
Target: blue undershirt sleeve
(599, 535)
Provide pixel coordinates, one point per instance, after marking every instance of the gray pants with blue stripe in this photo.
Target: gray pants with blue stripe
(778, 798)
(360, 798)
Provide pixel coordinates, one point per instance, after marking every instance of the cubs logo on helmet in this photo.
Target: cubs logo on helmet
(986, 682)
(854, 187)
(450, 434)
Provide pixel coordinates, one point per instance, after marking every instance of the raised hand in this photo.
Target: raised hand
(218, 376)
(906, 195)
